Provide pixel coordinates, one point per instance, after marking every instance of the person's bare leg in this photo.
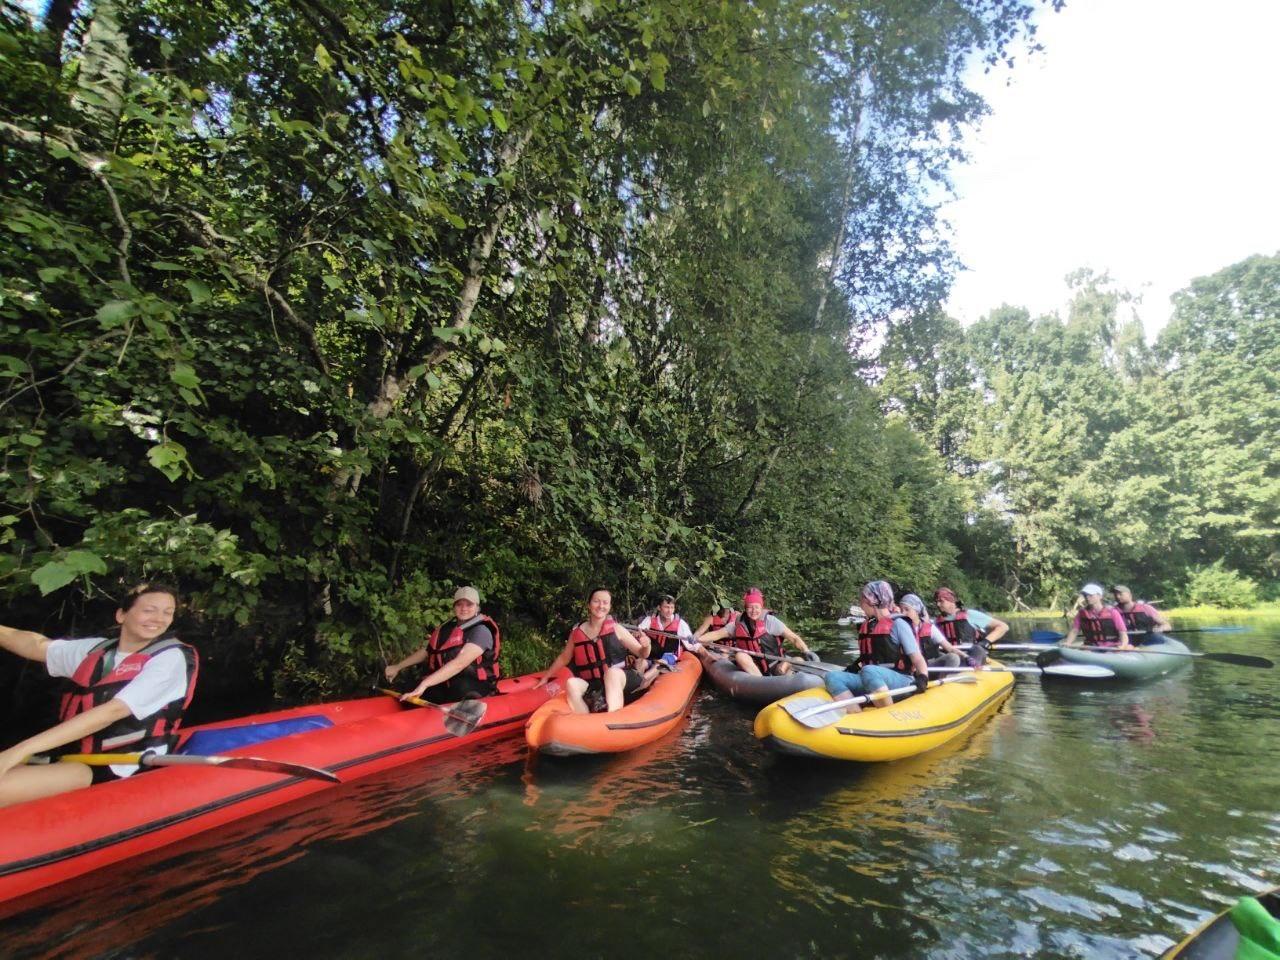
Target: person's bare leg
(32, 783)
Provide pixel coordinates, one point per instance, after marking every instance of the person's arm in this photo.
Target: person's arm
(558, 664)
(412, 660)
(469, 654)
(636, 646)
(1118, 619)
(1162, 624)
(704, 626)
(1070, 638)
(25, 643)
(995, 630)
(69, 731)
(794, 639)
(943, 643)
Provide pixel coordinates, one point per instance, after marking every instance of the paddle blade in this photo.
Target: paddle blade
(1084, 670)
(1045, 636)
(802, 710)
(463, 718)
(1239, 659)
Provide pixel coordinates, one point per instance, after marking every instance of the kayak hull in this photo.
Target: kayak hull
(734, 682)
(56, 839)
(555, 729)
(910, 726)
(1218, 938)
(1127, 665)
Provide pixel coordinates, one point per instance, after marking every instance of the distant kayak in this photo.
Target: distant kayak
(850, 621)
(1126, 664)
(1220, 939)
(554, 728)
(731, 680)
(915, 725)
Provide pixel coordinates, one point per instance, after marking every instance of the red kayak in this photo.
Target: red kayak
(49, 841)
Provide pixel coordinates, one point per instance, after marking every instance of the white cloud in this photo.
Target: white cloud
(1144, 141)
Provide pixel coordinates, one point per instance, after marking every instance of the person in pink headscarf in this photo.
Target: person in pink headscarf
(757, 635)
(889, 656)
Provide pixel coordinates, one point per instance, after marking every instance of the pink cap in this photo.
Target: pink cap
(753, 596)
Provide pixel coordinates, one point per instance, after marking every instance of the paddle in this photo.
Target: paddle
(799, 708)
(810, 665)
(1238, 659)
(1087, 670)
(149, 759)
(459, 720)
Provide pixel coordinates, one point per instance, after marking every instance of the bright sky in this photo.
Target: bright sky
(1144, 140)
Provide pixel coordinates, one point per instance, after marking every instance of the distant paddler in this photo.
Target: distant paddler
(721, 616)
(596, 652)
(461, 655)
(967, 629)
(128, 692)
(937, 650)
(889, 656)
(758, 634)
(1100, 625)
(1140, 616)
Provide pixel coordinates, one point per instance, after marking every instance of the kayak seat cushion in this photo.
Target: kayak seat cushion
(208, 742)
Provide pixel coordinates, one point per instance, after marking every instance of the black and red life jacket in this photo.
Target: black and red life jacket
(957, 628)
(718, 621)
(1136, 619)
(592, 656)
(750, 636)
(876, 643)
(447, 640)
(661, 644)
(92, 684)
(1099, 630)
(929, 647)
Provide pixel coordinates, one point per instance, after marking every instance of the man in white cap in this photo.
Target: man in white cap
(461, 654)
(1100, 625)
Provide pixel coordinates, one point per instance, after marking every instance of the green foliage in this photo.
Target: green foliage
(1215, 585)
(325, 307)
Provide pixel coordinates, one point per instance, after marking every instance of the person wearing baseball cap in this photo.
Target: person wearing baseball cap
(461, 654)
(1140, 616)
(757, 636)
(970, 630)
(1100, 625)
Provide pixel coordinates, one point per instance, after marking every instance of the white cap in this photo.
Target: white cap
(1091, 590)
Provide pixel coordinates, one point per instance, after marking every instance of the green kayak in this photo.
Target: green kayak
(1139, 664)
(1248, 931)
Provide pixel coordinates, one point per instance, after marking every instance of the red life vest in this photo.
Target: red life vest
(1136, 619)
(663, 645)
(718, 621)
(593, 655)
(876, 644)
(957, 628)
(441, 651)
(750, 636)
(92, 685)
(1098, 631)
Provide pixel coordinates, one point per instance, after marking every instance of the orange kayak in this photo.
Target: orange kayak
(554, 728)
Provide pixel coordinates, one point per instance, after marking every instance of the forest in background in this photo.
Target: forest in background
(322, 308)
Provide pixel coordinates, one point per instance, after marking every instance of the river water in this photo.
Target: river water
(1078, 821)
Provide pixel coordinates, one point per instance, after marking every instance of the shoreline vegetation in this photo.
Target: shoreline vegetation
(322, 313)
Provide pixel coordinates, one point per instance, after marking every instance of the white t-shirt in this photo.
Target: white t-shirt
(162, 679)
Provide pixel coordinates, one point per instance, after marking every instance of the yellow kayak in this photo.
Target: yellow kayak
(910, 726)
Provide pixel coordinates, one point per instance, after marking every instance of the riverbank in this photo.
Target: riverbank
(1261, 611)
